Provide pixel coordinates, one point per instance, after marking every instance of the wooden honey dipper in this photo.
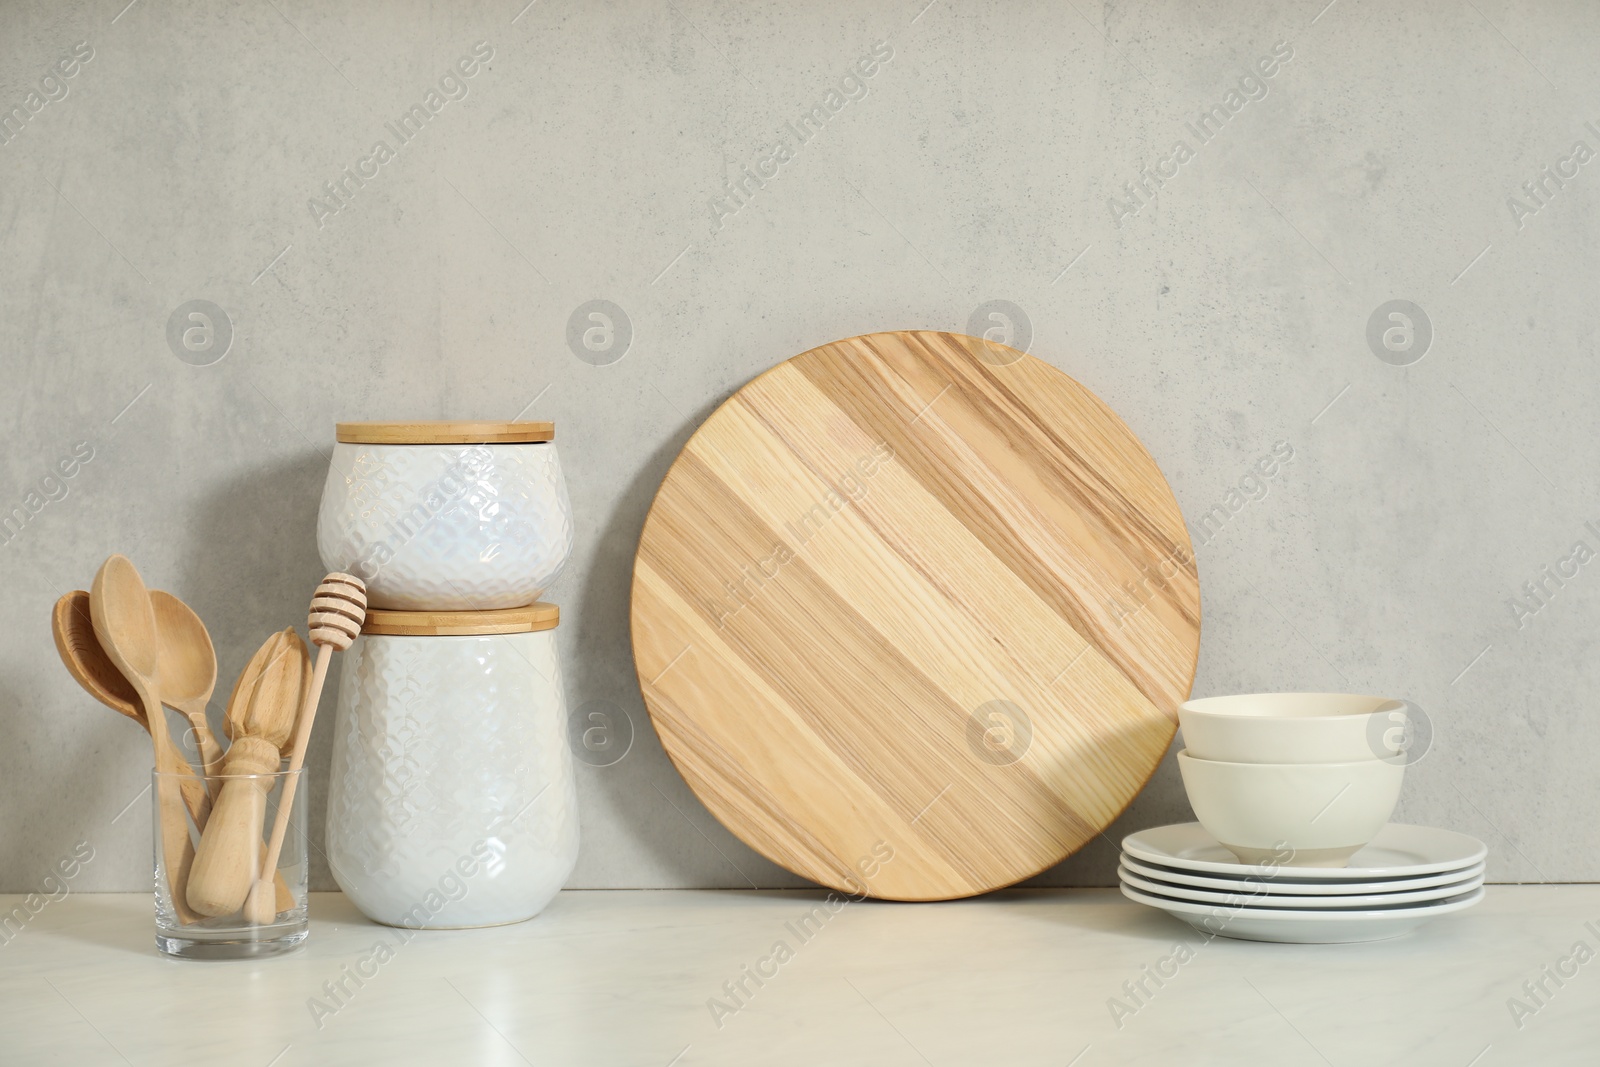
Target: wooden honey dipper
(338, 609)
(260, 716)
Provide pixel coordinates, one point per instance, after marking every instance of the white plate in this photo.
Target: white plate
(1283, 883)
(1399, 851)
(1305, 928)
(1254, 898)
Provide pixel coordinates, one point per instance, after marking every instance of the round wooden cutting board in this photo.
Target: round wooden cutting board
(913, 613)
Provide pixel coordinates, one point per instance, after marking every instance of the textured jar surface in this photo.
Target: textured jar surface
(452, 801)
(446, 527)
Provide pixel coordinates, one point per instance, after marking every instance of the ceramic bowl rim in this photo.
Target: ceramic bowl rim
(1385, 705)
(1183, 754)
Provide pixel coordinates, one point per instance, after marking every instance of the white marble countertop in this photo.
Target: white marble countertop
(1018, 978)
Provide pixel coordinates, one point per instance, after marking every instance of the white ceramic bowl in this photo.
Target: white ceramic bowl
(1293, 728)
(447, 527)
(1292, 814)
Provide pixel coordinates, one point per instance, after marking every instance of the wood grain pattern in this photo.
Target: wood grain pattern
(260, 717)
(86, 661)
(444, 433)
(540, 616)
(913, 613)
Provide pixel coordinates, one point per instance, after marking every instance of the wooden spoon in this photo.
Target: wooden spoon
(119, 605)
(261, 716)
(188, 674)
(80, 651)
(87, 662)
(338, 608)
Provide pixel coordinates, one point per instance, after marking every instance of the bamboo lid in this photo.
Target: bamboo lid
(445, 433)
(530, 619)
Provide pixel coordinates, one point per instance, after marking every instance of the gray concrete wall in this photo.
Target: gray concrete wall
(989, 158)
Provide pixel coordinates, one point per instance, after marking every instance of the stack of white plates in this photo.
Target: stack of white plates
(1406, 876)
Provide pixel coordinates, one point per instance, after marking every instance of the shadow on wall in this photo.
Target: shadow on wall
(631, 785)
(251, 566)
(1159, 802)
(90, 807)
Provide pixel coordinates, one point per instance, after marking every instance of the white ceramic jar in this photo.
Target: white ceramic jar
(446, 516)
(452, 802)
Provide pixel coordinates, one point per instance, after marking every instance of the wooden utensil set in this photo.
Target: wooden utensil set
(137, 650)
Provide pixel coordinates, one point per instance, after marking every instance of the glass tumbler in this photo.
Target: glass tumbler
(254, 800)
